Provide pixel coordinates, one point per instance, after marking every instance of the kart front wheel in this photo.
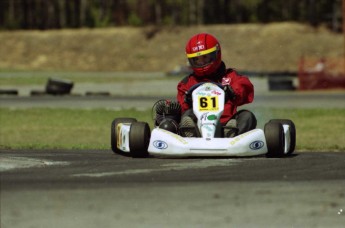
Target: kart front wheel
(139, 139)
(274, 134)
(114, 132)
(292, 132)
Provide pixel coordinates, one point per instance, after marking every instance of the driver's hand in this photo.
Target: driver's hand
(229, 93)
(188, 99)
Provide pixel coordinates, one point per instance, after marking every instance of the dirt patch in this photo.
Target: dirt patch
(276, 46)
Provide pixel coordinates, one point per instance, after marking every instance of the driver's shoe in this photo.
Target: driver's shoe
(230, 129)
(188, 127)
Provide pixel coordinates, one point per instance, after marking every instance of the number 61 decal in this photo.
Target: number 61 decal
(208, 103)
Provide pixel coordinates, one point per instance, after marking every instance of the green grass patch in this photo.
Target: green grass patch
(60, 128)
(317, 129)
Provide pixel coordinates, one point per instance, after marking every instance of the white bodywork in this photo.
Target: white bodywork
(123, 136)
(208, 106)
(248, 144)
(287, 138)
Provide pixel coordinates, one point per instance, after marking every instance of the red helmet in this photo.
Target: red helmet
(204, 54)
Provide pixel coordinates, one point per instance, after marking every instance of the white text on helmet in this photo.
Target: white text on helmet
(199, 47)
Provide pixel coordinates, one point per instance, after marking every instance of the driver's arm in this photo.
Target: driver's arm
(243, 89)
(182, 88)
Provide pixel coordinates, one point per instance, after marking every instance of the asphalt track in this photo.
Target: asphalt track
(275, 100)
(92, 188)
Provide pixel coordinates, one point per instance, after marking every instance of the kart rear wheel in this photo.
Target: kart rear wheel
(139, 139)
(292, 132)
(114, 133)
(274, 134)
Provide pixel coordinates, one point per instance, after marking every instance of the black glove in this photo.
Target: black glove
(188, 94)
(229, 93)
(188, 99)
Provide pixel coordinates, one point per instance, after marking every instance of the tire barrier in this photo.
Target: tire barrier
(13, 92)
(278, 84)
(37, 93)
(58, 86)
(89, 93)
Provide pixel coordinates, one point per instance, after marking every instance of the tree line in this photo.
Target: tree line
(57, 14)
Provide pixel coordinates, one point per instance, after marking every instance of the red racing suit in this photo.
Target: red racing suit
(241, 85)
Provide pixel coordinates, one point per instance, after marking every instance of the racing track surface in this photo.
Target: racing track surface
(276, 100)
(90, 188)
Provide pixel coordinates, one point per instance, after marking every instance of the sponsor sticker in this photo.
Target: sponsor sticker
(226, 81)
(212, 117)
(159, 144)
(256, 145)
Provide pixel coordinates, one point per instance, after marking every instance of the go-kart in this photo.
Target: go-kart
(134, 138)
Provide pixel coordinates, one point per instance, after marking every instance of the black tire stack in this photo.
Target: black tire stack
(58, 86)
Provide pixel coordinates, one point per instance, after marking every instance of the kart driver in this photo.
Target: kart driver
(204, 55)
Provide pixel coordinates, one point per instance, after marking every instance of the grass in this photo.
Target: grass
(60, 128)
(43, 128)
(317, 129)
(257, 47)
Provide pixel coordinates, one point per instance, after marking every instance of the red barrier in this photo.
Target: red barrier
(321, 74)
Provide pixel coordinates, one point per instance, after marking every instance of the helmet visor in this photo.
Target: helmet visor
(202, 60)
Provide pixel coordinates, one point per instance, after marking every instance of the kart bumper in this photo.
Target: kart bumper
(165, 143)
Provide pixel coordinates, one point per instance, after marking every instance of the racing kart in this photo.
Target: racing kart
(134, 138)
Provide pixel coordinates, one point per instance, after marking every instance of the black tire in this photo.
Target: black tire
(292, 132)
(8, 92)
(276, 84)
(89, 93)
(274, 134)
(139, 139)
(58, 86)
(113, 134)
(37, 93)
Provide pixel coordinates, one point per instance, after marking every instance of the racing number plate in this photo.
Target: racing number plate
(208, 103)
